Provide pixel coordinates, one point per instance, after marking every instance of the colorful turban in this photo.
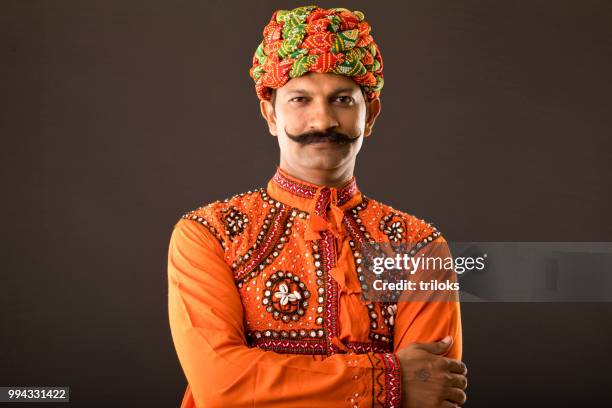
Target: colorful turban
(312, 39)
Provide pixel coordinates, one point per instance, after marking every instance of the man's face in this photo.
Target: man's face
(320, 121)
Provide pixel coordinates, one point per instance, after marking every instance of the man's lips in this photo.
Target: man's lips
(325, 140)
(325, 143)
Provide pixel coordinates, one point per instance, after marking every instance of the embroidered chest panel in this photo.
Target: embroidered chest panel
(289, 297)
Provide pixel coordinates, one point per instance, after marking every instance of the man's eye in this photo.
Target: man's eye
(345, 100)
(298, 99)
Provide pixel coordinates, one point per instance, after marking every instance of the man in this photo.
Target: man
(265, 301)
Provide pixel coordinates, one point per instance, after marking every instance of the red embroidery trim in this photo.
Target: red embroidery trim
(392, 380)
(292, 346)
(345, 193)
(269, 242)
(371, 347)
(323, 202)
(326, 244)
(293, 187)
(316, 346)
(353, 229)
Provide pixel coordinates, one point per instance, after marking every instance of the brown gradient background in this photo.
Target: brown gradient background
(119, 116)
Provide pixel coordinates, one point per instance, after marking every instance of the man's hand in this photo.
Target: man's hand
(429, 379)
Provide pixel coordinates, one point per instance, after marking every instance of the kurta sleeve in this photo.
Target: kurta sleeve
(207, 326)
(423, 322)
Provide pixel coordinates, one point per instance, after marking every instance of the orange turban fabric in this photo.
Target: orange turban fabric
(312, 39)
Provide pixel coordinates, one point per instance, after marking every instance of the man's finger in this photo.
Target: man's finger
(455, 395)
(437, 347)
(458, 381)
(456, 366)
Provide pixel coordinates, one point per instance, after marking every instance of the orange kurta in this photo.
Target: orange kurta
(265, 300)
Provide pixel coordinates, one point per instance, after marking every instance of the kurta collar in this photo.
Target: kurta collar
(326, 205)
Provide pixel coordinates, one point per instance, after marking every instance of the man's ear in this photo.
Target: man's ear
(268, 113)
(373, 110)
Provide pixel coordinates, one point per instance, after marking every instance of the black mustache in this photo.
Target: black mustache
(315, 137)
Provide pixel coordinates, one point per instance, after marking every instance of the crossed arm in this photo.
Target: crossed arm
(207, 325)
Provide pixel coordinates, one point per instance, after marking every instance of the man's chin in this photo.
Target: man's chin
(324, 160)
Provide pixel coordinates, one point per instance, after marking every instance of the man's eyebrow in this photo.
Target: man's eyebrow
(342, 90)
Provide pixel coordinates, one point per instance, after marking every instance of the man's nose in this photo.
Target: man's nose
(321, 116)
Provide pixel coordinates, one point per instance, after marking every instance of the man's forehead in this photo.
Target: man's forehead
(315, 82)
